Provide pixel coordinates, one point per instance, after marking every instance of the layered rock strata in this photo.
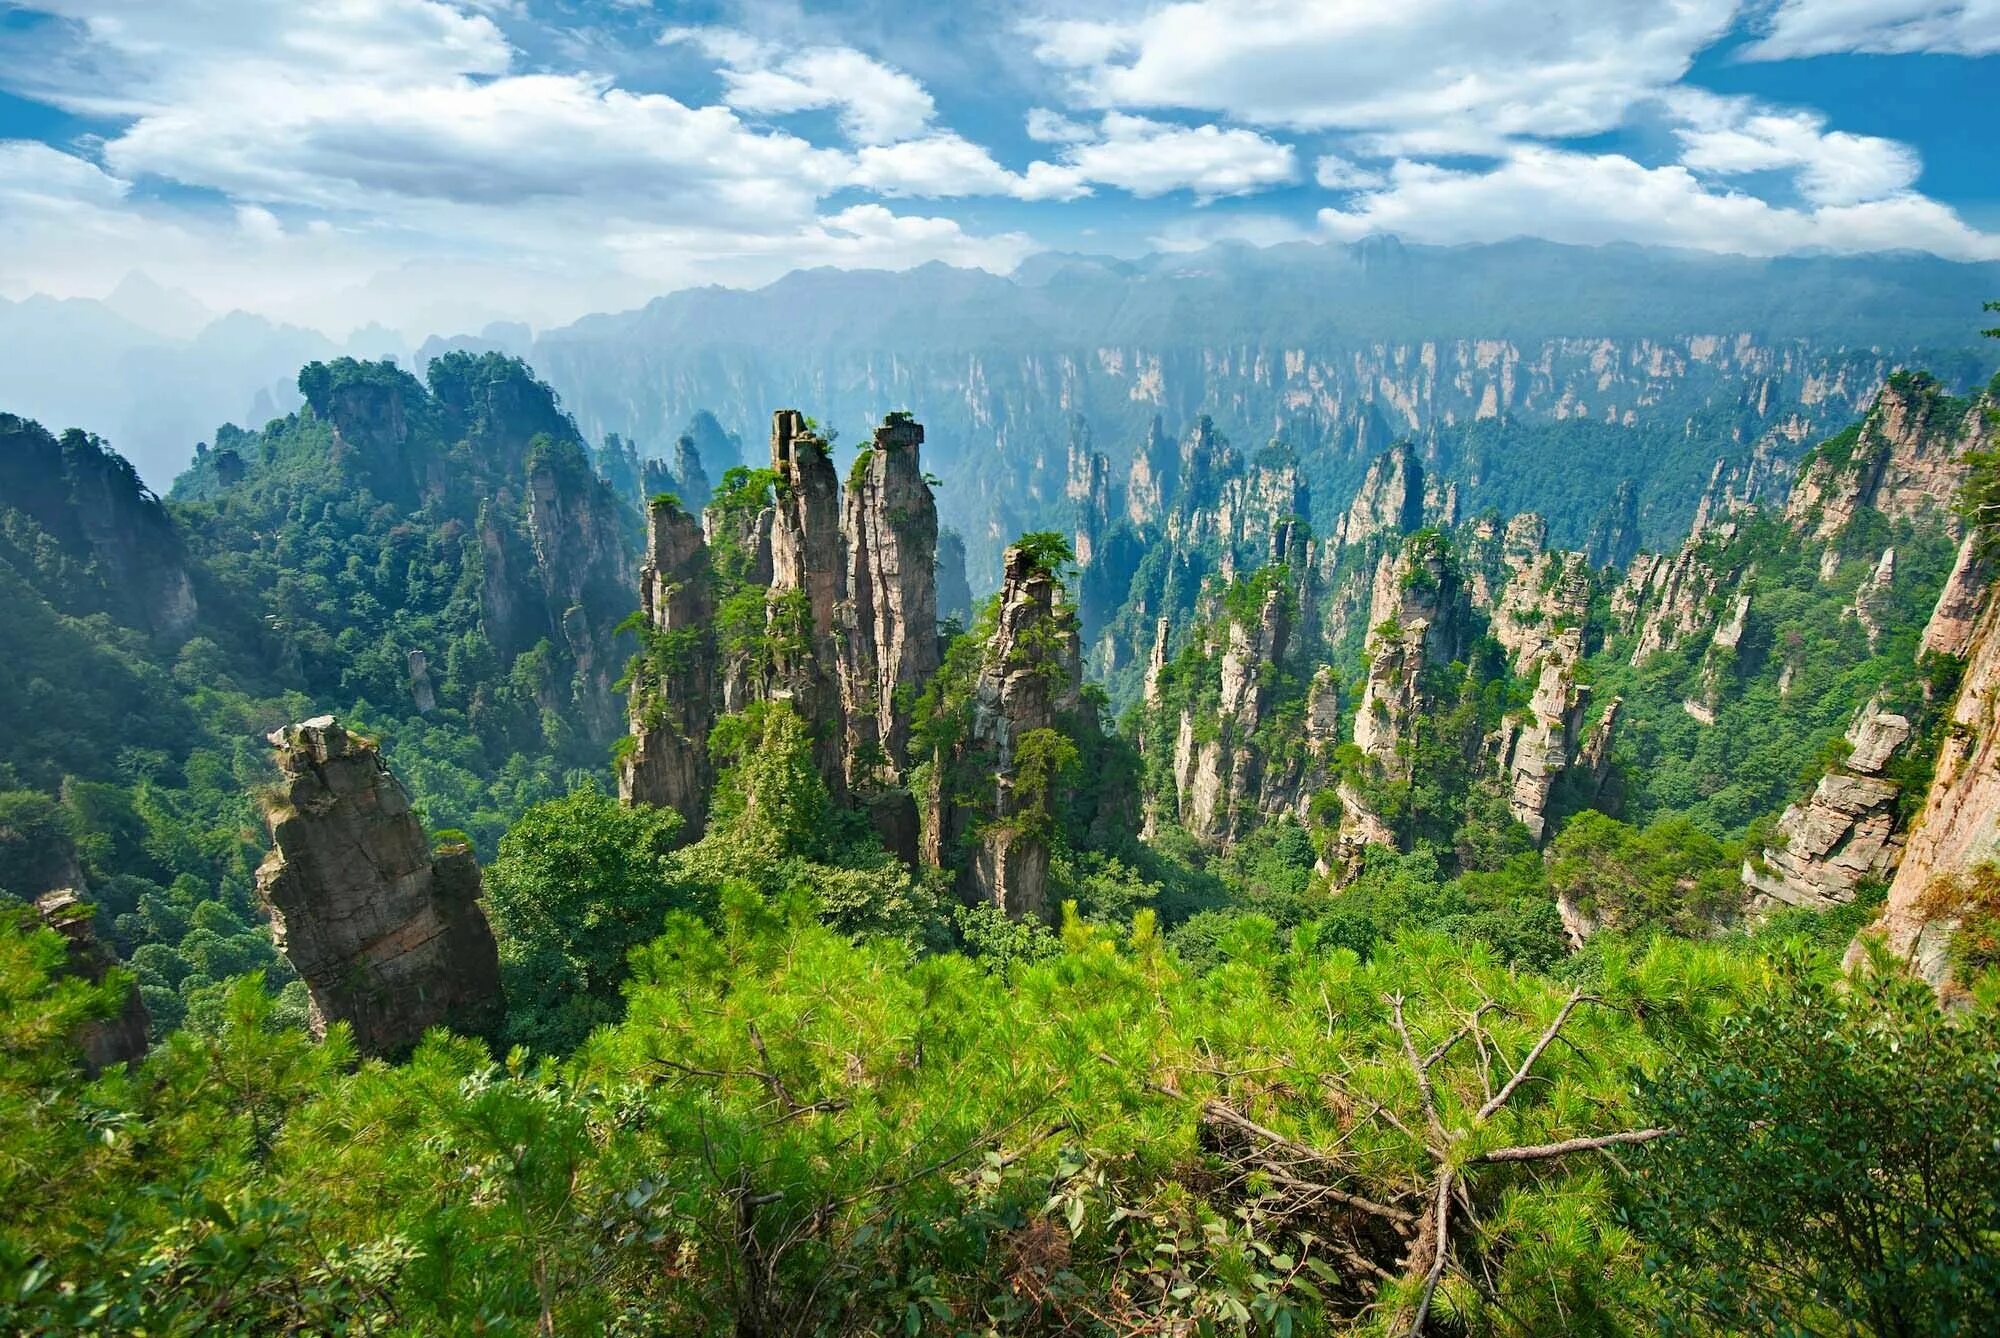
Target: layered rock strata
(1844, 833)
(388, 934)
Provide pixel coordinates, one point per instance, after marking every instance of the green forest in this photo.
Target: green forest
(954, 1002)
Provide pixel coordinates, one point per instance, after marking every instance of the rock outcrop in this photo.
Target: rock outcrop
(1392, 696)
(1546, 743)
(122, 552)
(1530, 593)
(1718, 663)
(1150, 484)
(1845, 833)
(1390, 500)
(1666, 600)
(1959, 826)
(675, 688)
(388, 935)
(808, 580)
(1030, 676)
(1905, 459)
(1223, 779)
(888, 633)
(106, 1041)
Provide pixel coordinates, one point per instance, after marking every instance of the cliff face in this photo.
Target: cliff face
(576, 526)
(1225, 778)
(808, 579)
(107, 1041)
(1530, 594)
(388, 936)
(1905, 459)
(889, 642)
(674, 688)
(1030, 676)
(121, 553)
(1546, 742)
(1390, 500)
(1844, 833)
(1959, 827)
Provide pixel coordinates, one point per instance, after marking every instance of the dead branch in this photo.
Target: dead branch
(1499, 1098)
(1218, 1113)
(1440, 1248)
(1418, 1067)
(1544, 1151)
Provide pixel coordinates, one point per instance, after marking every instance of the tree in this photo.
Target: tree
(1836, 1164)
(579, 883)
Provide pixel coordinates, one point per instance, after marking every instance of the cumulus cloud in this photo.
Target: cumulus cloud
(351, 139)
(1148, 158)
(876, 103)
(1591, 199)
(1734, 136)
(1460, 75)
(1334, 172)
(1896, 27)
(1049, 127)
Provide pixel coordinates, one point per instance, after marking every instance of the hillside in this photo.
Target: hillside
(1237, 922)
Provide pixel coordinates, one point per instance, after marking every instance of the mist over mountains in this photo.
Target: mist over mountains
(1502, 361)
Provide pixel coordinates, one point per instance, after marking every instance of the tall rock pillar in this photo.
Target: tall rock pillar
(674, 689)
(889, 634)
(388, 935)
(808, 584)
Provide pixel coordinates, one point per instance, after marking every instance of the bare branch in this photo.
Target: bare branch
(1419, 1068)
(1221, 1114)
(1440, 1248)
(1499, 1098)
(1543, 1151)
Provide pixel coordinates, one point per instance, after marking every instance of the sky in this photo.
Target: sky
(433, 165)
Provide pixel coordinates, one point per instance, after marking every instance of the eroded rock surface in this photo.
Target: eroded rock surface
(1845, 832)
(388, 935)
(1959, 826)
(674, 687)
(106, 1041)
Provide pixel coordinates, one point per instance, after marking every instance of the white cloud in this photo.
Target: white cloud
(861, 236)
(1334, 172)
(1822, 27)
(34, 176)
(1149, 158)
(163, 53)
(946, 165)
(1049, 127)
(1734, 136)
(876, 104)
(1592, 199)
(386, 159)
(1462, 74)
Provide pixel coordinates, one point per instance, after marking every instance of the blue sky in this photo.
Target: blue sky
(433, 164)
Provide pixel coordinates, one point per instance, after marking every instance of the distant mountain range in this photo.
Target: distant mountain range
(1652, 363)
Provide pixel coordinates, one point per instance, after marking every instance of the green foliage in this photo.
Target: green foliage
(1669, 876)
(1766, 745)
(579, 883)
(1047, 551)
(1836, 1164)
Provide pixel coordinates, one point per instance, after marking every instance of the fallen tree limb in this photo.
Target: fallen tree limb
(1544, 1151)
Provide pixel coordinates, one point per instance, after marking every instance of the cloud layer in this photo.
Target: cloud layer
(440, 161)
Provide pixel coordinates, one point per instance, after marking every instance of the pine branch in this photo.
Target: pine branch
(1548, 1037)
(1544, 1151)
